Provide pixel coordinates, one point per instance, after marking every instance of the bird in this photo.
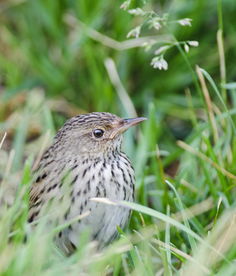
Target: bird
(85, 161)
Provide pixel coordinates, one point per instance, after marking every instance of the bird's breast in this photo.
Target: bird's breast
(112, 179)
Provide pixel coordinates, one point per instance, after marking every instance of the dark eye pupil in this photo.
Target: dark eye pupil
(98, 133)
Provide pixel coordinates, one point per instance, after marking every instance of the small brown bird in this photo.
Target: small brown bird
(85, 161)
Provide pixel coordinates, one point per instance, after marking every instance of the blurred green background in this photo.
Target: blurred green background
(39, 48)
(62, 58)
(51, 45)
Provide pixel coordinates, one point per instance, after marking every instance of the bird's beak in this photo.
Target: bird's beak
(124, 124)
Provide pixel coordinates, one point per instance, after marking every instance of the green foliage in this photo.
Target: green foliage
(59, 58)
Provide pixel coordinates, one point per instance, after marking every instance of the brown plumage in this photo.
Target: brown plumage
(85, 161)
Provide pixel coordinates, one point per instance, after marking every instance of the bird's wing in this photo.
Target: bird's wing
(41, 173)
(37, 189)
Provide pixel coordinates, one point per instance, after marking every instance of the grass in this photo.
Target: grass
(61, 58)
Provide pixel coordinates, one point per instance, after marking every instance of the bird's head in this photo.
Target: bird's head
(93, 133)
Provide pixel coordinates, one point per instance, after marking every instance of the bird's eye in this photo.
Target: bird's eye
(98, 133)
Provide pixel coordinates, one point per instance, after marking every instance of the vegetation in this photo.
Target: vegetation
(62, 58)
